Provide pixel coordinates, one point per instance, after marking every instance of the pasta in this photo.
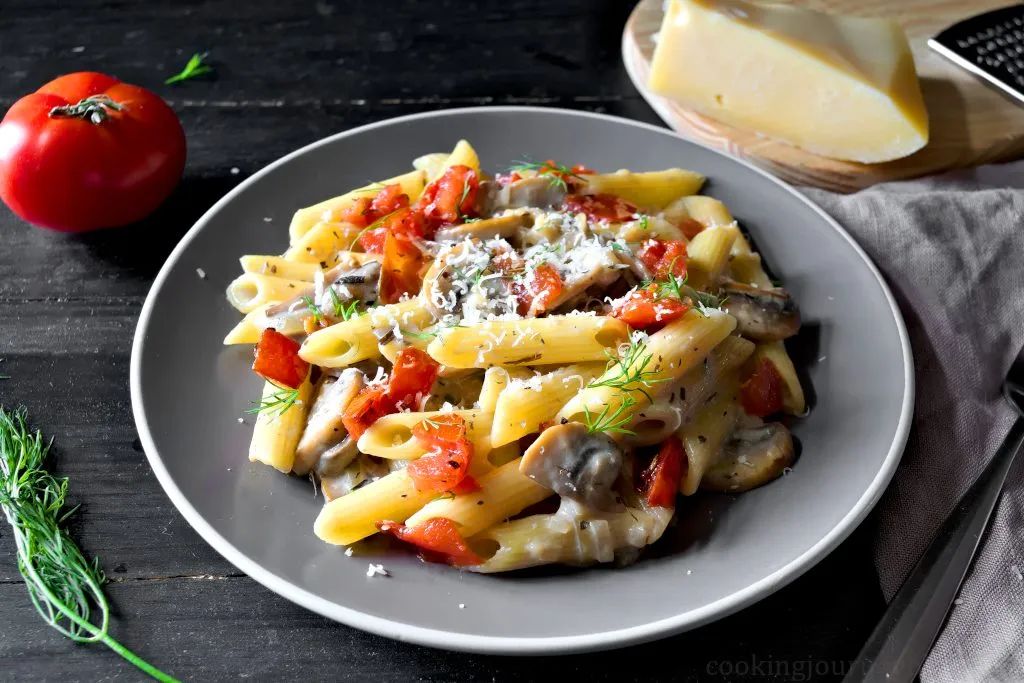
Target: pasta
(445, 351)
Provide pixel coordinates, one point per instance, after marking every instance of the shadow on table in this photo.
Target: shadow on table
(138, 250)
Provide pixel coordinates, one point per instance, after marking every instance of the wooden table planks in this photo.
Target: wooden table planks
(288, 74)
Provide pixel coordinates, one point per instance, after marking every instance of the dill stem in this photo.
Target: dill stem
(138, 661)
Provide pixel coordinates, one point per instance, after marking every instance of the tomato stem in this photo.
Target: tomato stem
(93, 108)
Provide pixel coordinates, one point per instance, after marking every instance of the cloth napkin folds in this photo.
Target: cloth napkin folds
(952, 250)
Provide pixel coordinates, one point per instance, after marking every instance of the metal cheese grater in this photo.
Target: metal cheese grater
(990, 45)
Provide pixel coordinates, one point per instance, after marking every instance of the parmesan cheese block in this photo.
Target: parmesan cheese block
(842, 87)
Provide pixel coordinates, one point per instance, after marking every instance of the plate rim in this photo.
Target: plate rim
(517, 645)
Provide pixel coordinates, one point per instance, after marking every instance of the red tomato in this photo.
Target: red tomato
(643, 308)
(441, 431)
(467, 485)
(450, 198)
(580, 169)
(761, 394)
(445, 468)
(86, 151)
(358, 212)
(389, 199)
(538, 291)
(400, 268)
(372, 241)
(366, 210)
(662, 257)
(369, 405)
(662, 477)
(600, 207)
(412, 376)
(439, 537)
(277, 359)
(442, 470)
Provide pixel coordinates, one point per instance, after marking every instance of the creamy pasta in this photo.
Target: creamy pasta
(521, 369)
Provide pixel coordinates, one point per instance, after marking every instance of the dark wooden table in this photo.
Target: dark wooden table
(288, 73)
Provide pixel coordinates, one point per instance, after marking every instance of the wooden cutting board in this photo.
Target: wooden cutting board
(970, 123)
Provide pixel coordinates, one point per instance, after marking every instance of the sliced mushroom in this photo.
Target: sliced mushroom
(350, 284)
(487, 228)
(761, 313)
(592, 284)
(537, 192)
(324, 429)
(751, 458)
(574, 463)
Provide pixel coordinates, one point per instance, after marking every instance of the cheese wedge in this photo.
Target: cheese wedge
(842, 87)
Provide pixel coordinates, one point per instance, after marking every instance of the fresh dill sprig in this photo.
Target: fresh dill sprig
(64, 587)
(644, 221)
(341, 309)
(314, 310)
(630, 373)
(193, 68)
(424, 336)
(558, 174)
(276, 403)
(610, 421)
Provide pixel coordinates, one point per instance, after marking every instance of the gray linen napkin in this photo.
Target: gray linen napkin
(952, 250)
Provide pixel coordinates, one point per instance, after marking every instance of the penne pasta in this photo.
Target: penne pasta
(669, 353)
(531, 341)
(526, 404)
(249, 291)
(354, 516)
(391, 436)
(353, 340)
(322, 242)
(503, 493)
(279, 428)
(654, 189)
(708, 255)
(331, 210)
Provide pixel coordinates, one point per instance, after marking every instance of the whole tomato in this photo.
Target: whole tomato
(87, 151)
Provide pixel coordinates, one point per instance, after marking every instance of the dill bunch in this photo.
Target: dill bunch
(65, 587)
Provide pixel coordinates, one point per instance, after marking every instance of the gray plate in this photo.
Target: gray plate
(725, 553)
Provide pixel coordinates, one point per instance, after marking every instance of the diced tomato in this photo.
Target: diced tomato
(389, 199)
(440, 431)
(580, 169)
(642, 309)
(445, 467)
(400, 268)
(365, 210)
(507, 178)
(438, 537)
(690, 227)
(600, 207)
(467, 485)
(442, 469)
(369, 405)
(412, 375)
(277, 359)
(662, 477)
(761, 394)
(358, 212)
(450, 198)
(372, 241)
(537, 291)
(662, 257)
